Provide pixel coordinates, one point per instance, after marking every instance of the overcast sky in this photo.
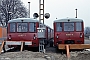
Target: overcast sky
(62, 9)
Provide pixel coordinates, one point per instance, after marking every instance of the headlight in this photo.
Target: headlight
(80, 35)
(34, 37)
(57, 37)
(9, 37)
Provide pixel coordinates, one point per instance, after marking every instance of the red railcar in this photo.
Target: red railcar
(68, 31)
(24, 29)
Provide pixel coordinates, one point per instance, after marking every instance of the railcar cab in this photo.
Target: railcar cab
(44, 33)
(68, 31)
(23, 29)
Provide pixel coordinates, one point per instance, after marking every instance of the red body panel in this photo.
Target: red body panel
(24, 37)
(27, 36)
(63, 36)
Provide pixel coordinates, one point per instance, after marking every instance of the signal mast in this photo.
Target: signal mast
(41, 35)
(42, 28)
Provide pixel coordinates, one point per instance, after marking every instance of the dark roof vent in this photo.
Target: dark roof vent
(68, 20)
(22, 20)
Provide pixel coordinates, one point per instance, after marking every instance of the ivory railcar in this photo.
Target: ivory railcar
(68, 31)
(25, 29)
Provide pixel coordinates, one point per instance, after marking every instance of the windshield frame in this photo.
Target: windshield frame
(10, 28)
(22, 27)
(80, 26)
(59, 27)
(34, 26)
(70, 28)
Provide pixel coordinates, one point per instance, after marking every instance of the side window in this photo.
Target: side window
(12, 27)
(32, 27)
(78, 26)
(59, 26)
(48, 30)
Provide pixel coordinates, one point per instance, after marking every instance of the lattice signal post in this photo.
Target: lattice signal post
(41, 10)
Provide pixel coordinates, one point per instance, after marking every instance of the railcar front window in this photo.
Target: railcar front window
(69, 26)
(59, 26)
(32, 27)
(78, 26)
(12, 27)
(22, 27)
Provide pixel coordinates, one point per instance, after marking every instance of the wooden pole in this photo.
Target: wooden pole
(21, 46)
(4, 47)
(67, 50)
(1, 47)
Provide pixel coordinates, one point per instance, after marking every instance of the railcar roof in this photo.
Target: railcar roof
(70, 20)
(24, 20)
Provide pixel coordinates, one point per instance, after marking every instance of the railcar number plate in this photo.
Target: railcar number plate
(28, 43)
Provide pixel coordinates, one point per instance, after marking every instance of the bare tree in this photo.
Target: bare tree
(10, 9)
